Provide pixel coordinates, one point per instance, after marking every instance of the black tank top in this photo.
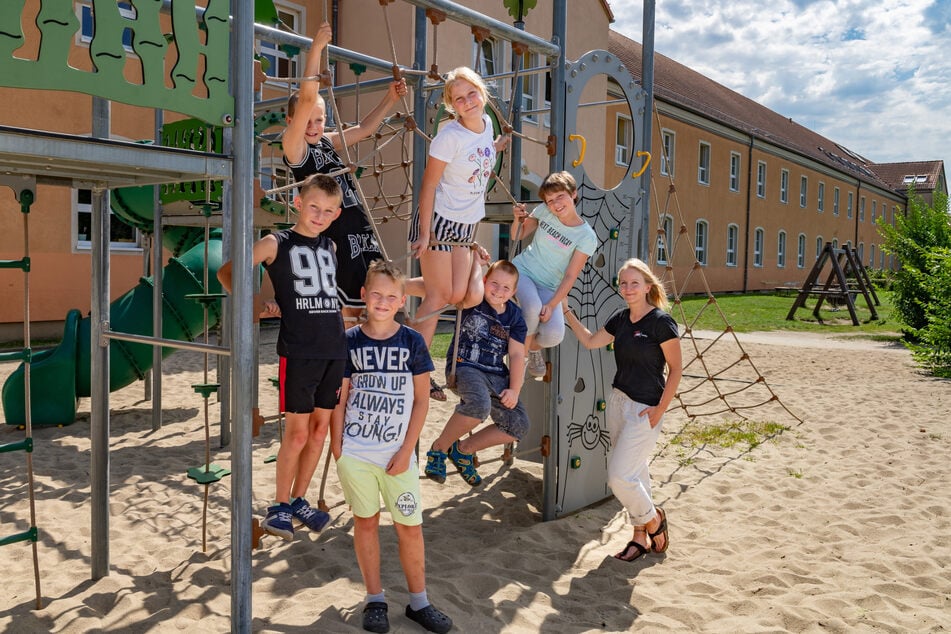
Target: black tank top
(305, 287)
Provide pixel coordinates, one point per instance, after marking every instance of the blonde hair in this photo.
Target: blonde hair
(463, 73)
(657, 296)
(503, 266)
(382, 268)
(292, 103)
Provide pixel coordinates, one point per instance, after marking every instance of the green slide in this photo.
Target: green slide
(58, 377)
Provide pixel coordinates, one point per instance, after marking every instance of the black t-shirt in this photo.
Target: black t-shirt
(305, 288)
(637, 352)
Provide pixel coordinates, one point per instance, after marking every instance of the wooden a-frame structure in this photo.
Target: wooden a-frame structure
(846, 279)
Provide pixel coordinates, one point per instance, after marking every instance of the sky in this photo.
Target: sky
(871, 75)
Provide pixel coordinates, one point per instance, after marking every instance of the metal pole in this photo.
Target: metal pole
(99, 359)
(157, 269)
(559, 32)
(223, 363)
(242, 351)
(420, 148)
(642, 241)
(515, 183)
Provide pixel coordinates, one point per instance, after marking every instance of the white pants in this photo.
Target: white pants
(531, 298)
(632, 443)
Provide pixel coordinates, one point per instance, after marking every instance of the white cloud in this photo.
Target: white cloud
(872, 76)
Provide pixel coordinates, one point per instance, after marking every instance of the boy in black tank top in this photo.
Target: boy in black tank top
(302, 264)
(309, 150)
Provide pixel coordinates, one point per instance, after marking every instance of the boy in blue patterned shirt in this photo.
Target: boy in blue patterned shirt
(484, 384)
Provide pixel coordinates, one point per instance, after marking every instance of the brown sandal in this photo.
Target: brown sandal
(661, 530)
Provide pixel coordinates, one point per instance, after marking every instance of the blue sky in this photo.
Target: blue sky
(873, 76)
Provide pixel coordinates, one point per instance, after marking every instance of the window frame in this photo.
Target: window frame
(803, 191)
(761, 179)
(704, 156)
(759, 238)
(781, 249)
(736, 164)
(821, 197)
(668, 152)
(701, 246)
(850, 202)
(663, 241)
(276, 57)
(784, 186)
(801, 251)
(77, 208)
(628, 148)
(732, 243)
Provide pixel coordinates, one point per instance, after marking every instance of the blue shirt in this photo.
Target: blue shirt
(484, 336)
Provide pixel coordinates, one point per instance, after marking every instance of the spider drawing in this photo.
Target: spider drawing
(591, 434)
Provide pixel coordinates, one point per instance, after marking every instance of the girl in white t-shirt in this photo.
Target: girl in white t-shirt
(452, 198)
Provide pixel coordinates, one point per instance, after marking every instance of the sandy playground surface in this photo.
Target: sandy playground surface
(840, 523)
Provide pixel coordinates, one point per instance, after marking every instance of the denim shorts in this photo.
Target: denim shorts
(479, 397)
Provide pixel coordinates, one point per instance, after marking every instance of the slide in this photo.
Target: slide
(59, 376)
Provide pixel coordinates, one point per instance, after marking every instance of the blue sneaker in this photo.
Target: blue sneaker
(278, 521)
(312, 518)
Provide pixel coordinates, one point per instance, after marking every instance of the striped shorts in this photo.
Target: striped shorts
(444, 231)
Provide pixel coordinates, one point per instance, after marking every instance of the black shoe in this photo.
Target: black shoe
(375, 618)
(430, 618)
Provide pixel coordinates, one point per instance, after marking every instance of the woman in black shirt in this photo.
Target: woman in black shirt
(645, 343)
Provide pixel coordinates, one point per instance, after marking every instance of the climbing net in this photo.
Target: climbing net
(720, 378)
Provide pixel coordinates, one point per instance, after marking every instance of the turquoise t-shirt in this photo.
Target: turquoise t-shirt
(546, 258)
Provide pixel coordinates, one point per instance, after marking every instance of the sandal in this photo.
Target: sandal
(661, 530)
(632, 552)
(436, 465)
(435, 392)
(430, 618)
(465, 463)
(375, 618)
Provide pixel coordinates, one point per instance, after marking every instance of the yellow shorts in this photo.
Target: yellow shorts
(363, 483)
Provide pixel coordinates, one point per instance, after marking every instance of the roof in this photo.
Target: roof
(924, 175)
(688, 89)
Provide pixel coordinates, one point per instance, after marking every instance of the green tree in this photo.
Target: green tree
(914, 240)
(932, 349)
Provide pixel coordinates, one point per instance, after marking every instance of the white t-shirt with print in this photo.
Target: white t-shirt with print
(469, 158)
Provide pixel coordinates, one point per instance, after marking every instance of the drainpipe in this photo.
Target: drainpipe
(746, 230)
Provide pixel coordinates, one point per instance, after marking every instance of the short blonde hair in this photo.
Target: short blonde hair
(558, 182)
(382, 268)
(293, 99)
(463, 73)
(656, 296)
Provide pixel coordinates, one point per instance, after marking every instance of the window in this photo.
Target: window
(781, 250)
(803, 191)
(758, 247)
(761, 179)
(700, 244)
(874, 211)
(835, 243)
(667, 158)
(784, 186)
(121, 235)
(278, 62)
(485, 57)
(801, 251)
(703, 164)
(835, 201)
(624, 140)
(819, 245)
(881, 260)
(735, 160)
(88, 23)
(821, 203)
(529, 89)
(663, 240)
(871, 255)
(861, 251)
(732, 237)
(862, 209)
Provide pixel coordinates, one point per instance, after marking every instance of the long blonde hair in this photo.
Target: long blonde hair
(463, 73)
(657, 296)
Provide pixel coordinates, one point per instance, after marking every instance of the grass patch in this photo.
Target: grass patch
(440, 345)
(746, 434)
(765, 312)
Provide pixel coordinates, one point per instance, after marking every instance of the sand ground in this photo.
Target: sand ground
(840, 523)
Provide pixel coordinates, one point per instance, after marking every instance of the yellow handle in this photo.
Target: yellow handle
(584, 145)
(643, 169)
